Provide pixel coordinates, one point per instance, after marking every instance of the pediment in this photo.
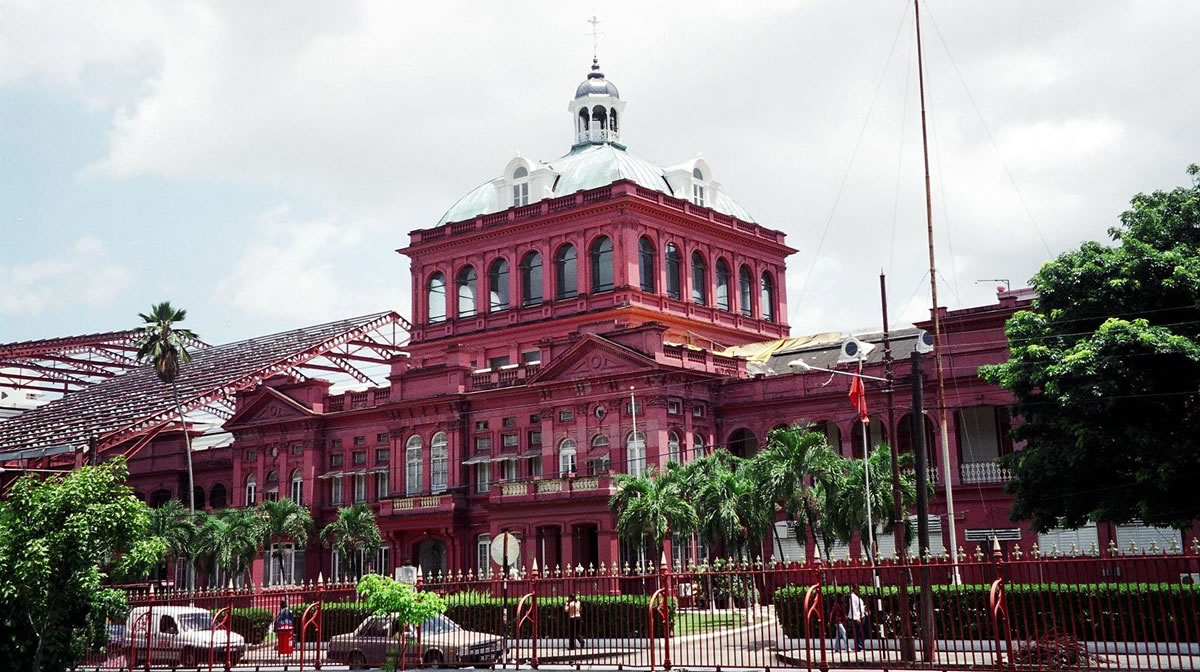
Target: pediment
(269, 405)
(594, 357)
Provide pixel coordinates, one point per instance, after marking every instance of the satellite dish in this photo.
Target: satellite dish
(925, 341)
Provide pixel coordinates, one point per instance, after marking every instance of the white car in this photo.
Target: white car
(442, 643)
(182, 636)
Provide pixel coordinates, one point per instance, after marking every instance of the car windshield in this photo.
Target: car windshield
(196, 620)
(439, 624)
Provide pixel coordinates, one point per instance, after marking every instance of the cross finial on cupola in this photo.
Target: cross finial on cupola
(597, 106)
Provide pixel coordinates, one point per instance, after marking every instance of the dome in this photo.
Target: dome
(596, 84)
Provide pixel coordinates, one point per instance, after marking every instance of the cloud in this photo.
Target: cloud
(305, 271)
(85, 274)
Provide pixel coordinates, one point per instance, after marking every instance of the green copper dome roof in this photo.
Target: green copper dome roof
(587, 167)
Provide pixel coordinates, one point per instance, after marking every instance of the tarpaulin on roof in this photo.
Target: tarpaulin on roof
(761, 352)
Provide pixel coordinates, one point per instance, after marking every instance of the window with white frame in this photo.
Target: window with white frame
(566, 457)
(1145, 538)
(383, 560)
(297, 487)
(698, 447)
(335, 490)
(412, 461)
(251, 490)
(382, 486)
(509, 470)
(483, 476)
(483, 554)
(674, 407)
(360, 487)
(438, 463)
(673, 447)
(520, 187)
(635, 453)
(1082, 539)
(285, 564)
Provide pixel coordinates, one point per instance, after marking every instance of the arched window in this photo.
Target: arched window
(698, 448)
(699, 280)
(520, 187)
(600, 117)
(599, 441)
(566, 457)
(635, 453)
(602, 264)
(698, 187)
(437, 298)
(766, 309)
(612, 120)
(743, 443)
(722, 285)
(583, 120)
(531, 279)
(498, 286)
(646, 265)
(218, 499)
(251, 490)
(674, 283)
(746, 291)
(673, 447)
(438, 463)
(297, 487)
(198, 495)
(566, 283)
(466, 291)
(412, 463)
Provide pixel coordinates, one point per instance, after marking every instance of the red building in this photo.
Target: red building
(596, 314)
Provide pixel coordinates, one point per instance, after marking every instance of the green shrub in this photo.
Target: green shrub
(617, 616)
(252, 624)
(1087, 611)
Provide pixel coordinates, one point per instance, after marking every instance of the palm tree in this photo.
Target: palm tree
(733, 511)
(165, 346)
(284, 519)
(849, 505)
(172, 524)
(230, 540)
(651, 505)
(353, 533)
(797, 470)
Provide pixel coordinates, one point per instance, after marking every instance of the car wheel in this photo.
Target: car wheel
(433, 658)
(187, 659)
(357, 661)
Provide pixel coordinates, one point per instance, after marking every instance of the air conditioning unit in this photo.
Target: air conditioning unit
(407, 574)
(853, 350)
(925, 342)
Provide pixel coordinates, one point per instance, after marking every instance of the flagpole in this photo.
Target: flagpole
(867, 473)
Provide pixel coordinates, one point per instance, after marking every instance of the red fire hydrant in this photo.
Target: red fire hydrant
(284, 636)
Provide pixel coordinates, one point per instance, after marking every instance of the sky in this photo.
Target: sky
(260, 163)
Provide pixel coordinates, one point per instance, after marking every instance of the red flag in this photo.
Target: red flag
(858, 398)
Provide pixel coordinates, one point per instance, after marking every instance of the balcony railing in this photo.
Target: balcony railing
(983, 472)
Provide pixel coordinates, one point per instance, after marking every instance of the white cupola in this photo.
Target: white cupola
(596, 110)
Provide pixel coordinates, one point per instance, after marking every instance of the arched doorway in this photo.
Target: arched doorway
(431, 556)
(743, 443)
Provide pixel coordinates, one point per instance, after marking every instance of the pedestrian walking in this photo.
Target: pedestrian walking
(858, 617)
(838, 616)
(574, 609)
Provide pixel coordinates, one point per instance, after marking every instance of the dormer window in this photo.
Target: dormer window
(698, 187)
(520, 187)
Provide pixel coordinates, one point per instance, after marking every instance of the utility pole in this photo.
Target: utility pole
(899, 529)
(918, 440)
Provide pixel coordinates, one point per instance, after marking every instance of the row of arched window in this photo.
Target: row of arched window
(635, 451)
(566, 281)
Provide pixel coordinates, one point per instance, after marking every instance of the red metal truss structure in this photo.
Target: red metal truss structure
(67, 364)
(130, 409)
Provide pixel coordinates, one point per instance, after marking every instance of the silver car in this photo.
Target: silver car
(440, 642)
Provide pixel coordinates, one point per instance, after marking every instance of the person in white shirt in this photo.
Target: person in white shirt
(858, 617)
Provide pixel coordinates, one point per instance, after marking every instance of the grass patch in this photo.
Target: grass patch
(698, 622)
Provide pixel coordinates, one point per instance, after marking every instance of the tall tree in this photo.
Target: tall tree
(175, 527)
(733, 511)
(847, 505)
(1105, 369)
(353, 533)
(230, 539)
(651, 505)
(800, 472)
(163, 344)
(284, 520)
(59, 536)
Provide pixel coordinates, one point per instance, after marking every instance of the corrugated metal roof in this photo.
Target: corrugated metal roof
(588, 167)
